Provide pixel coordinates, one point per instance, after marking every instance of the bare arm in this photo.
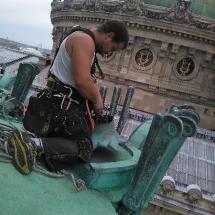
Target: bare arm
(80, 47)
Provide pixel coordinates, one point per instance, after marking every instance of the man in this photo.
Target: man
(66, 133)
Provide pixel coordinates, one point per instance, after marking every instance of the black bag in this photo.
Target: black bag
(38, 117)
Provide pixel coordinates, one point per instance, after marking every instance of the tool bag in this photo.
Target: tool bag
(38, 117)
(46, 115)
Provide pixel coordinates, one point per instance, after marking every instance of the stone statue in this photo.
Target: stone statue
(90, 5)
(111, 6)
(132, 7)
(181, 11)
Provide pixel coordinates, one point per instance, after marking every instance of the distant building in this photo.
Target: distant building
(11, 58)
(33, 51)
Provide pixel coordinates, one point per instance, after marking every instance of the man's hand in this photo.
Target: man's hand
(106, 136)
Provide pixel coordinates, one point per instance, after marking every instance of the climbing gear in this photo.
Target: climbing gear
(22, 151)
(95, 63)
(38, 117)
(58, 105)
(64, 115)
(55, 87)
(90, 118)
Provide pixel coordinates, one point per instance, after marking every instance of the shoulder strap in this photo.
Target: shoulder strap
(95, 63)
(79, 28)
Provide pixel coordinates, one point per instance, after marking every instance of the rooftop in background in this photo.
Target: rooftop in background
(11, 58)
(16, 46)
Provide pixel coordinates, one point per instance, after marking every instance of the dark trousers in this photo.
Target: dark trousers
(69, 140)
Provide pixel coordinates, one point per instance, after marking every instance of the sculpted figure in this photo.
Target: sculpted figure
(181, 11)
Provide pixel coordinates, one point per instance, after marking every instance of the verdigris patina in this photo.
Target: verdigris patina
(123, 172)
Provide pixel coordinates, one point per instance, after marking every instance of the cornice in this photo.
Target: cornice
(137, 23)
(182, 207)
(127, 10)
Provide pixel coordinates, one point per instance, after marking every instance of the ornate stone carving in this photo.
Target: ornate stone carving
(211, 27)
(194, 193)
(185, 68)
(67, 4)
(167, 185)
(180, 12)
(132, 7)
(202, 25)
(144, 57)
(154, 15)
(111, 5)
(56, 5)
(106, 57)
(78, 4)
(90, 5)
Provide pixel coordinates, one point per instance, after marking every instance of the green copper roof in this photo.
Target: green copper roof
(165, 3)
(199, 7)
(37, 194)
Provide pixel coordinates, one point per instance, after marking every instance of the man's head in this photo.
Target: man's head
(114, 37)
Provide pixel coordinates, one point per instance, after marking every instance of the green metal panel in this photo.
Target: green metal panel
(25, 76)
(203, 8)
(198, 7)
(109, 175)
(37, 194)
(138, 136)
(164, 3)
(7, 81)
(165, 137)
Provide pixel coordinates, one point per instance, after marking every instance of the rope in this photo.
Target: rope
(40, 169)
(5, 158)
(92, 123)
(79, 184)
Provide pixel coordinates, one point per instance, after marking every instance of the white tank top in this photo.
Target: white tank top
(62, 66)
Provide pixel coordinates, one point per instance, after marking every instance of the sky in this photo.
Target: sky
(26, 21)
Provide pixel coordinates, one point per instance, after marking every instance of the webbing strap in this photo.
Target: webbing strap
(95, 63)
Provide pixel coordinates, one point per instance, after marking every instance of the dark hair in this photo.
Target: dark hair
(119, 30)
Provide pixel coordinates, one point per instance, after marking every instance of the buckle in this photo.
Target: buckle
(67, 99)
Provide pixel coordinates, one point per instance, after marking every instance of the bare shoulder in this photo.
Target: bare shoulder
(81, 40)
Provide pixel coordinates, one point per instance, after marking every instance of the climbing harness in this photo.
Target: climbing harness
(95, 64)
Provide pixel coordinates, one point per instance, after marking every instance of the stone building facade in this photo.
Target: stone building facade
(170, 58)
